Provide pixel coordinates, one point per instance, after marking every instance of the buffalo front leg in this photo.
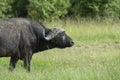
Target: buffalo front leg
(27, 60)
(13, 61)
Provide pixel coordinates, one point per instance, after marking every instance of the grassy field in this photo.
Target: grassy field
(95, 55)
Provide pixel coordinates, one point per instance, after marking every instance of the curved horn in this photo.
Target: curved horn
(53, 32)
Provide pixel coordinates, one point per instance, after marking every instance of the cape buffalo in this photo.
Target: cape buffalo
(20, 38)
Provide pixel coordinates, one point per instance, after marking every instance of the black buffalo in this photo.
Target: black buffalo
(20, 38)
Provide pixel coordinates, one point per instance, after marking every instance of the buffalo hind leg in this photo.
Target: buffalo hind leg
(13, 61)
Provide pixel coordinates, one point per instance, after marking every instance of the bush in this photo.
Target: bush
(113, 9)
(95, 8)
(5, 8)
(52, 9)
(19, 8)
(48, 9)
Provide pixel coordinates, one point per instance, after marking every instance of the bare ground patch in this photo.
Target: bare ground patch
(98, 46)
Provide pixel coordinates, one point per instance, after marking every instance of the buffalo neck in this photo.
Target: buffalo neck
(43, 45)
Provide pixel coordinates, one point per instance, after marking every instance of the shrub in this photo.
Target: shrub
(48, 9)
(95, 8)
(19, 8)
(5, 8)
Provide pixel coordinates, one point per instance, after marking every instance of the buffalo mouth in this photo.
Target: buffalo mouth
(70, 44)
(67, 45)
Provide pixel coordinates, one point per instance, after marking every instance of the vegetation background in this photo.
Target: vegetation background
(54, 9)
(94, 26)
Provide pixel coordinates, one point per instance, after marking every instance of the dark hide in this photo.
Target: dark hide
(20, 38)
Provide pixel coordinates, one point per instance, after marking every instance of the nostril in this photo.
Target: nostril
(72, 42)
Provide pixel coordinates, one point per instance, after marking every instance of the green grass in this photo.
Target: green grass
(95, 55)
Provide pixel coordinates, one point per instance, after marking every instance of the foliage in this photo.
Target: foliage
(49, 9)
(19, 8)
(5, 8)
(113, 9)
(95, 8)
(52, 9)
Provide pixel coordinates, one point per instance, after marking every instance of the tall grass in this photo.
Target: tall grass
(95, 55)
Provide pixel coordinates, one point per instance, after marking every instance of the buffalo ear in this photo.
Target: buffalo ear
(53, 32)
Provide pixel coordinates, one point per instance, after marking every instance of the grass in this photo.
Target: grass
(95, 55)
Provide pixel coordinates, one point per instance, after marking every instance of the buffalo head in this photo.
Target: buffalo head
(59, 38)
